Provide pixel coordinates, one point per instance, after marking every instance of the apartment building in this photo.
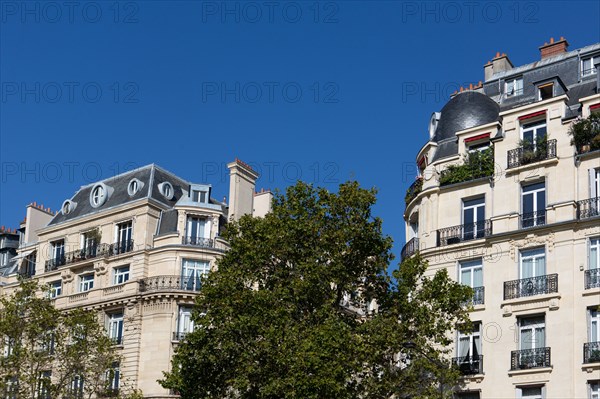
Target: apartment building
(134, 248)
(509, 206)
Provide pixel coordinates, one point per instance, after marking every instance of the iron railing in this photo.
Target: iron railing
(588, 208)
(469, 365)
(168, 283)
(413, 191)
(464, 232)
(410, 248)
(592, 278)
(199, 242)
(89, 252)
(532, 219)
(591, 352)
(478, 295)
(179, 335)
(531, 153)
(531, 286)
(530, 358)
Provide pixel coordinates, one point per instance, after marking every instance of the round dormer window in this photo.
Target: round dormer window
(98, 195)
(67, 207)
(166, 189)
(134, 186)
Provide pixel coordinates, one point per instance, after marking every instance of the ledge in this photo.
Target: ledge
(538, 370)
(533, 165)
(590, 367)
(476, 378)
(587, 155)
(550, 301)
(590, 292)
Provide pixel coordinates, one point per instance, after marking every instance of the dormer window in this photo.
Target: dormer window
(67, 207)
(199, 196)
(545, 91)
(99, 195)
(514, 87)
(134, 187)
(587, 66)
(166, 189)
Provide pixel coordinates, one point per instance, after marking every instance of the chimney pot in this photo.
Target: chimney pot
(554, 48)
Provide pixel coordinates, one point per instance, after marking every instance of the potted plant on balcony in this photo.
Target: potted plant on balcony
(594, 356)
(585, 133)
(533, 152)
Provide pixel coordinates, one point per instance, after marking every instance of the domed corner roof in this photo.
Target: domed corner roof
(466, 110)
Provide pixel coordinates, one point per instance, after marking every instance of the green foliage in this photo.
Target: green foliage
(47, 348)
(413, 190)
(476, 164)
(534, 152)
(586, 132)
(271, 321)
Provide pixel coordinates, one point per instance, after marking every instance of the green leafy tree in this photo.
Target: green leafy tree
(302, 307)
(48, 353)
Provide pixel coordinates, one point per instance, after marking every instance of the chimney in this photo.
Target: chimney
(242, 182)
(554, 48)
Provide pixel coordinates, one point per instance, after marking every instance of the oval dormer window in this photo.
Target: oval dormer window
(67, 207)
(134, 187)
(166, 189)
(98, 195)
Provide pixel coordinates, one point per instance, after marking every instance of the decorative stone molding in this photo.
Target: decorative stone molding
(524, 304)
(100, 268)
(531, 240)
(67, 276)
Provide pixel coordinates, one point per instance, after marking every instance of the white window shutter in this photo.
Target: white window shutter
(592, 177)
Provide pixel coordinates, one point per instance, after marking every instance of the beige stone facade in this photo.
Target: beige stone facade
(527, 239)
(136, 255)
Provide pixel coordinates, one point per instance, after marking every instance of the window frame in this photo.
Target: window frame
(512, 83)
(85, 282)
(55, 290)
(592, 69)
(115, 326)
(535, 193)
(120, 273)
(533, 328)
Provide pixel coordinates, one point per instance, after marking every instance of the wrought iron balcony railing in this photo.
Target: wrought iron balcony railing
(89, 252)
(413, 191)
(469, 365)
(410, 248)
(588, 208)
(170, 283)
(529, 358)
(531, 153)
(464, 232)
(531, 286)
(591, 352)
(179, 335)
(532, 219)
(592, 278)
(199, 242)
(478, 295)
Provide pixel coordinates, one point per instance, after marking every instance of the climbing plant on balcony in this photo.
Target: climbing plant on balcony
(476, 164)
(585, 133)
(413, 190)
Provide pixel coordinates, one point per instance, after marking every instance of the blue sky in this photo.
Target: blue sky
(320, 91)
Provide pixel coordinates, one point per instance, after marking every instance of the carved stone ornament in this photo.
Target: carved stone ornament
(529, 242)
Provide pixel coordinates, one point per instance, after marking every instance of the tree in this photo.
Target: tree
(273, 321)
(50, 353)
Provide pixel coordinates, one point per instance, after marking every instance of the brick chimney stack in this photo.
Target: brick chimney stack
(554, 48)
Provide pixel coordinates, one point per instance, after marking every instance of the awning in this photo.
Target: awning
(22, 255)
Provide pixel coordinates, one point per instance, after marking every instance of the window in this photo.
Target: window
(545, 91)
(86, 282)
(166, 189)
(592, 275)
(594, 205)
(587, 66)
(124, 242)
(3, 258)
(471, 274)
(199, 196)
(531, 392)
(89, 244)
(11, 388)
(594, 387)
(76, 387)
(185, 324)
(532, 273)
(473, 218)
(533, 205)
(115, 327)
(121, 275)
(469, 350)
(98, 195)
(58, 252)
(193, 270)
(134, 187)
(55, 288)
(514, 87)
(478, 146)
(112, 379)
(532, 342)
(197, 231)
(67, 207)
(43, 389)
(29, 265)
(533, 134)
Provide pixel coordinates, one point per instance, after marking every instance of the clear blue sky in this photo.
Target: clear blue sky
(325, 91)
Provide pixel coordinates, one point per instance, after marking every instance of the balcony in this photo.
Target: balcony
(588, 208)
(170, 283)
(89, 252)
(530, 358)
(529, 154)
(179, 336)
(591, 352)
(464, 232)
(531, 286)
(204, 243)
(592, 278)
(410, 248)
(478, 295)
(532, 219)
(413, 190)
(469, 365)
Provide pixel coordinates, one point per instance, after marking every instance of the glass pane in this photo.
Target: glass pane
(468, 216)
(526, 339)
(465, 277)
(594, 255)
(527, 268)
(540, 341)
(541, 200)
(478, 277)
(527, 203)
(540, 266)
